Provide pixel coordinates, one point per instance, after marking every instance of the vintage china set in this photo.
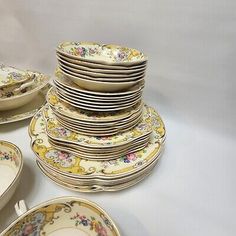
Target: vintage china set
(62, 216)
(18, 88)
(94, 134)
(87, 140)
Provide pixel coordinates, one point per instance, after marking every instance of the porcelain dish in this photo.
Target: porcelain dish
(64, 216)
(27, 111)
(25, 96)
(11, 164)
(101, 53)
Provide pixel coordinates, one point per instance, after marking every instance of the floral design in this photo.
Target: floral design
(91, 222)
(130, 157)
(101, 52)
(64, 158)
(53, 216)
(33, 227)
(9, 156)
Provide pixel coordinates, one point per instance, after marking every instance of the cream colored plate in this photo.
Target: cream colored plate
(102, 53)
(96, 98)
(67, 83)
(82, 115)
(93, 187)
(73, 165)
(100, 182)
(98, 108)
(85, 69)
(70, 216)
(59, 133)
(76, 99)
(26, 111)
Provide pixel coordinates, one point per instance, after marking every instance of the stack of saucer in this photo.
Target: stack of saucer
(96, 119)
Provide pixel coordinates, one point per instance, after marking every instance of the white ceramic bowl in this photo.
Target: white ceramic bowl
(11, 163)
(24, 98)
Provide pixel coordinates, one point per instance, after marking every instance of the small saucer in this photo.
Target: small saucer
(26, 111)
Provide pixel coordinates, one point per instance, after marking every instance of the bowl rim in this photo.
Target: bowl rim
(104, 62)
(13, 146)
(37, 88)
(58, 200)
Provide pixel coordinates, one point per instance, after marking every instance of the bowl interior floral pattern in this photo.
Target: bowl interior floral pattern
(102, 53)
(10, 165)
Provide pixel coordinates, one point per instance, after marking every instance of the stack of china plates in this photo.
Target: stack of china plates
(17, 89)
(95, 133)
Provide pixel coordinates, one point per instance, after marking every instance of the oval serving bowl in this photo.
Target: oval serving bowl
(11, 163)
(102, 53)
(23, 98)
(64, 216)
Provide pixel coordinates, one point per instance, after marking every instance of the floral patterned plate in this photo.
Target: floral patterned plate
(68, 85)
(66, 110)
(58, 133)
(26, 111)
(64, 216)
(10, 75)
(101, 53)
(96, 187)
(74, 165)
(98, 66)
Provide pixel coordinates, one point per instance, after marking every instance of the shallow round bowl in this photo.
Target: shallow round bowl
(11, 163)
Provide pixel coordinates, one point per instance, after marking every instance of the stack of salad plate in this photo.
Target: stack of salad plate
(95, 133)
(17, 89)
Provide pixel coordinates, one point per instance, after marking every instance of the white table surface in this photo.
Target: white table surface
(190, 80)
(191, 191)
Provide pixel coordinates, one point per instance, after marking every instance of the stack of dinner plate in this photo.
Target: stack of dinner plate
(95, 133)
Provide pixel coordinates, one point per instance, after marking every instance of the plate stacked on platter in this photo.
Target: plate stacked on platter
(17, 89)
(101, 138)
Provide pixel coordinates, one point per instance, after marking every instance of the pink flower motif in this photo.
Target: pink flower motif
(101, 230)
(63, 155)
(28, 229)
(130, 157)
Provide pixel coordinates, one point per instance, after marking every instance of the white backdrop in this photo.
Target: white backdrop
(191, 81)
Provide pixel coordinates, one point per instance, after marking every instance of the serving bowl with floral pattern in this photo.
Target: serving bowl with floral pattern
(24, 96)
(63, 216)
(11, 163)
